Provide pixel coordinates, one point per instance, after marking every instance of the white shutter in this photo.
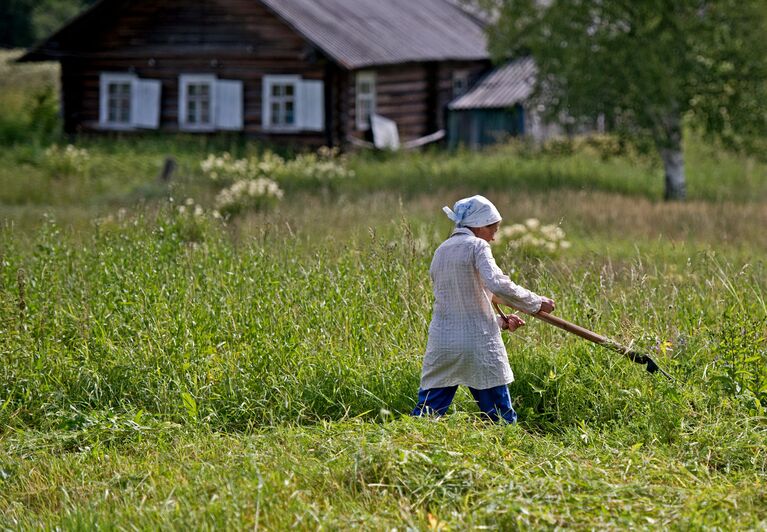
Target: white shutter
(229, 104)
(145, 103)
(311, 106)
(103, 99)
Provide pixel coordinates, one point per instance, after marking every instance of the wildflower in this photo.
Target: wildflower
(532, 235)
(254, 194)
(532, 223)
(69, 160)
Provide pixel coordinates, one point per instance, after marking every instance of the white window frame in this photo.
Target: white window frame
(110, 78)
(460, 82)
(184, 81)
(362, 122)
(269, 82)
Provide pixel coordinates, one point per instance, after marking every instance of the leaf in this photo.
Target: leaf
(189, 404)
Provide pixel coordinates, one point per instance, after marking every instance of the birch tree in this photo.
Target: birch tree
(648, 67)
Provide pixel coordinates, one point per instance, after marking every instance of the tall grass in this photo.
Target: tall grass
(283, 328)
(259, 374)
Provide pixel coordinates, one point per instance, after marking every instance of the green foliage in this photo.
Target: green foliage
(49, 16)
(66, 162)
(22, 22)
(645, 66)
(740, 367)
(636, 63)
(29, 106)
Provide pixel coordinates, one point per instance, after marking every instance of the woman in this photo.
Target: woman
(465, 346)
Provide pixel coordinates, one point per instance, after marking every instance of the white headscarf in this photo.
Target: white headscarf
(476, 211)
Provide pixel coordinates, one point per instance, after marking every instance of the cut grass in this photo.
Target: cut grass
(459, 472)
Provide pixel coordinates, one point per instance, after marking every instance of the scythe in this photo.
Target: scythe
(634, 356)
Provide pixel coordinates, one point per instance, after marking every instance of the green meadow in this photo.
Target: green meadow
(163, 367)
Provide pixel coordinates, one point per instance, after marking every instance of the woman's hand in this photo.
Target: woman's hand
(547, 305)
(514, 322)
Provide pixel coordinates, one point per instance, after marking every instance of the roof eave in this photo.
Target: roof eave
(371, 64)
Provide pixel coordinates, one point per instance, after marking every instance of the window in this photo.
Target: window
(366, 99)
(460, 82)
(197, 99)
(118, 102)
(128, 102)
(281, 102)
(291, 103)
(206, 103)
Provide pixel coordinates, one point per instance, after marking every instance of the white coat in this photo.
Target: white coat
(465, 345)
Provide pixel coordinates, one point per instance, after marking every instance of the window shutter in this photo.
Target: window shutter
(266, 111)
(229, 104)
(312, 105)
(145, 103)
(103, 98)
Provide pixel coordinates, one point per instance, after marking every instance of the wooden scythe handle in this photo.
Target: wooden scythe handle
(577, 330)
(559, 322)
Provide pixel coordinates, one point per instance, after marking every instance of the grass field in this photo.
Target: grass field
(162, 369)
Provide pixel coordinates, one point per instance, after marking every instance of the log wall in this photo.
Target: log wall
(242, 40)
(233, 39)
(415, 95)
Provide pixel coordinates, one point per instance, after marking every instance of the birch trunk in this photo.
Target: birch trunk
(673, 166)
(670, 148)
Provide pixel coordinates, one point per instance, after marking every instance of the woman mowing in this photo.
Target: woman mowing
(465, 346)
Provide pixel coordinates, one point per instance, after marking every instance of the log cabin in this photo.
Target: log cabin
(297, 72)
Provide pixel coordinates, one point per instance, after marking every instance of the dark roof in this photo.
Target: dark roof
(360, 33)
(354, 33)
(503, 87)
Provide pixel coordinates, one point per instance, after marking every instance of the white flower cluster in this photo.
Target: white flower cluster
(325, 165)
(248, 194)
(191, 208)
(69, 160)
(533, 235)
(226, 168)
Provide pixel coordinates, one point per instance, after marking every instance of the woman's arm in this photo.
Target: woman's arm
(499, 283)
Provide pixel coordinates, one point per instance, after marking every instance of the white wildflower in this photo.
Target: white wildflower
(532, 223)
(248, 194)
(532, 235)
(69, 160)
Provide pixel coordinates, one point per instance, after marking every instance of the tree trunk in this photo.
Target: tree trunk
(670, 148)
(673, 166)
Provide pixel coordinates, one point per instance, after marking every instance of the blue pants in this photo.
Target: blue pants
(494, 402)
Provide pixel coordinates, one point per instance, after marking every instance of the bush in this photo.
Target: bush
(532, 238)
(248, 195)
(68, 161)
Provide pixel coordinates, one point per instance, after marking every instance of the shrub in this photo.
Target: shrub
(532, 237)
(69, 161)
(248, 194)
(226, 169)
(741, 363)
(322, 169)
